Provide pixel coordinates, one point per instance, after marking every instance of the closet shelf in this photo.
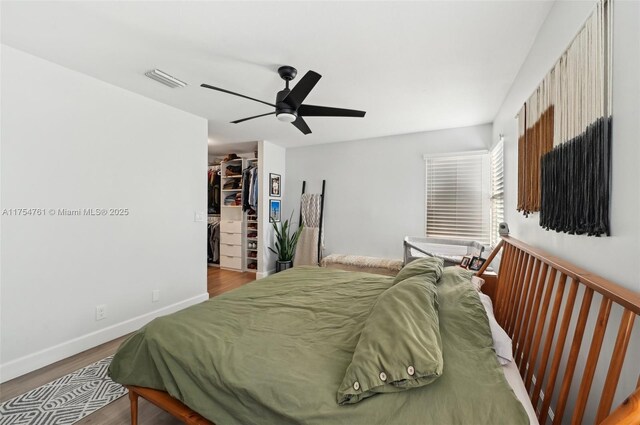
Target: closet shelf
(239, 252)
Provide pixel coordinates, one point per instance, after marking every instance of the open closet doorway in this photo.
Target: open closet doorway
(232, 223)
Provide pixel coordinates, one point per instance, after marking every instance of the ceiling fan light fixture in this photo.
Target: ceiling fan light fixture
(286, 117)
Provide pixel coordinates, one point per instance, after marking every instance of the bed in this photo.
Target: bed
(276, 350)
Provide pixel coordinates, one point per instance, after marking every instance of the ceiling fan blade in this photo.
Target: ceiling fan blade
(299, 93)
(325, 111)
(250, 118)
(235, 94)
(301, 125)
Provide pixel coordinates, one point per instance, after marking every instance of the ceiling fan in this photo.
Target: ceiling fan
(289, 107)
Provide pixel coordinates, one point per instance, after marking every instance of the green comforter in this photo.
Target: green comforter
(276, 350)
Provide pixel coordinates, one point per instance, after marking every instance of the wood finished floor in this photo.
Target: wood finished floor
(220, 281)
(117, 413)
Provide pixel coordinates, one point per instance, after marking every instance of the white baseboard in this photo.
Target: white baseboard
(260, 275)
(31, 362)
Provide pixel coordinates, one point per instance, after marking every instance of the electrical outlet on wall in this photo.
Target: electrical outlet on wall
(155, 295)
(101, 311)
(198, 216)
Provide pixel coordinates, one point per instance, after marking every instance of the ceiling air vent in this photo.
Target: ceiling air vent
(164, 78)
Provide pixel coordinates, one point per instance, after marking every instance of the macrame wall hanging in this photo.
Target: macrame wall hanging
(564, 135)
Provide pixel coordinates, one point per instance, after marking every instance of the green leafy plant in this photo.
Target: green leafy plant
(285, 243)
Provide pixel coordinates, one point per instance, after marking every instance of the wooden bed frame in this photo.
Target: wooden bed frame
(528, 296)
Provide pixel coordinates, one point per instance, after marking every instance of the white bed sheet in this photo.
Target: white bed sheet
(512, 374)
(510, 370)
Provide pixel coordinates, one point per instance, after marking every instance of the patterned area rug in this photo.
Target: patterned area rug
(65, 400)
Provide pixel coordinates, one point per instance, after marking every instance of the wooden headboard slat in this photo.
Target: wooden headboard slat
(548, 342)
(592, 361)
(615, 366)
(532, 303)
(557, 354)
(513, 291)
(516, 294)
(507, 302)
(525, 352)
(522, 329)
(523, 305)
(539, 328)
(503, 282)
(506, 288)
(576, 343)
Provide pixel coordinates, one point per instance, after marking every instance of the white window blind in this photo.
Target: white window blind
(457, 197)
(497, 190)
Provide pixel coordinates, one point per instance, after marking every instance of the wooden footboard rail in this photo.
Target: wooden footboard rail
(535, 303)
(164, 401)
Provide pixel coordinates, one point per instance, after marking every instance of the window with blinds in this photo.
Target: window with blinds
(497, 190)
(457, 197)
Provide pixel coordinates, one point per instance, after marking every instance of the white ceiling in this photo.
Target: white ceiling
(413, 66)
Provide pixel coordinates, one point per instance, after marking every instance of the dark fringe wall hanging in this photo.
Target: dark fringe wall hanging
(564, 141)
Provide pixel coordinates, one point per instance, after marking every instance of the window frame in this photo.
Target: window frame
(497, 184)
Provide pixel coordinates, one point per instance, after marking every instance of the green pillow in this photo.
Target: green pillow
(426, 265)
(458, 274)
(399, 347)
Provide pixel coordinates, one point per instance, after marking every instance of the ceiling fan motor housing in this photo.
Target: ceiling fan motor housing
(284, 111)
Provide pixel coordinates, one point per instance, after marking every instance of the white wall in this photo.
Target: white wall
(71, 141)
(614, 257)
(375, 191)
(271, 160)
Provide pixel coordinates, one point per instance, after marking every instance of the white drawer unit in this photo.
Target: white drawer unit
(230, 238)
(230, 262)
(237, 251)
(231, 226)
(230, 250)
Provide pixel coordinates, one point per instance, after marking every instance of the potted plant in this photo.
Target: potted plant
(285, 244)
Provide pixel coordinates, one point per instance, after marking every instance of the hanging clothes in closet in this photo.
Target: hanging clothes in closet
(213, 240)
(250, 188)
(213, 204)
